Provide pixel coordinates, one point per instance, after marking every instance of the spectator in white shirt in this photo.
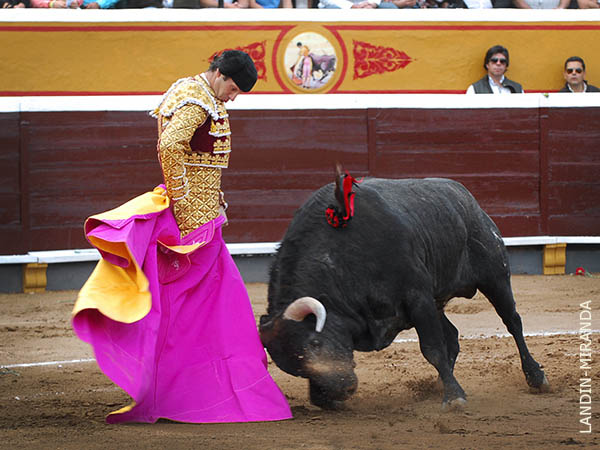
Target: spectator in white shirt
(495, 63)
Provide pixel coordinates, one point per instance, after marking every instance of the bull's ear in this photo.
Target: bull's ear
(265, 322)
(266, 329)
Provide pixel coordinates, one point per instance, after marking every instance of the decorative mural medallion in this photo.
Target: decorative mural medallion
(310, 62)
(372, 59)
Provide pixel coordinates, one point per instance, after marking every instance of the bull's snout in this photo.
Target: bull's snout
(330, 393)
(351, 388)
(347, 387)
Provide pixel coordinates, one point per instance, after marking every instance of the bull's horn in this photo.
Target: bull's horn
(301, 307)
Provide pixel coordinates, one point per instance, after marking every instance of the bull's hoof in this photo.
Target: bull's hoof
(537, 381)
(542, 387)
(457, 404)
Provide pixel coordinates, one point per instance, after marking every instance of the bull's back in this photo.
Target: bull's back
(408, 234)
(423, 197)
(459, 245)
(435, 221)
(435, 204)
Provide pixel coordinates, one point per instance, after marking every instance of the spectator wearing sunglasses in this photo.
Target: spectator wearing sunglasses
(496, 62)
(575, 76)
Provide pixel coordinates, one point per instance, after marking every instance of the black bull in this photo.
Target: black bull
(411, 247)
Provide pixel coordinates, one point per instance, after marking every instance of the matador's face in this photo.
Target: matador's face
(225, 88)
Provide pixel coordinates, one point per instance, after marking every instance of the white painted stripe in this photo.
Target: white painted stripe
(531, 240)
(257, 248)
(80, 103)
(48, 363)
(280, 102)
(396, 341)
(66, 256)
(543, 240)
(260, 248)
(578, 240)
(212, 15)
(505, 335)
(17, 259)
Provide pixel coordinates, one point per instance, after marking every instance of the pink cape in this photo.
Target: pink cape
(196, 356)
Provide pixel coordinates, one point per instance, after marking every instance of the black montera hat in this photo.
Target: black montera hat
(239, 66)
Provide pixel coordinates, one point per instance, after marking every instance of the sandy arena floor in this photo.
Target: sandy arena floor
(397, 404)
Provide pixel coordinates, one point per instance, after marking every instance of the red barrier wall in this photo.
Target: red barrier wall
(536, 171)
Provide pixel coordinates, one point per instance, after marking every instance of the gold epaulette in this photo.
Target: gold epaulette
(191, 90)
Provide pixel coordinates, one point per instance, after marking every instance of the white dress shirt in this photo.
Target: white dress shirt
(496, 89)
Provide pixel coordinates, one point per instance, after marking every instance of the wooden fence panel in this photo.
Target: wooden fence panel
(82, 163)
(11, 219)
(279, 158)
(535, 171)
(10, 191)
(573, 146)
(494, 153)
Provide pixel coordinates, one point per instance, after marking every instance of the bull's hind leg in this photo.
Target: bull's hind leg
(500, 295)
(432, 341)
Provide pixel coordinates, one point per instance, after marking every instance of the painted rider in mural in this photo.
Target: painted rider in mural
(311, 70)
(307, 66)
(303, 67)
(166, 309)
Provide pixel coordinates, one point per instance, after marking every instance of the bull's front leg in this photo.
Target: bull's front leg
(426, 320)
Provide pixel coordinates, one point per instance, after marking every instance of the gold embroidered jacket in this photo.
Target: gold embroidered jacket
(194, 142)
